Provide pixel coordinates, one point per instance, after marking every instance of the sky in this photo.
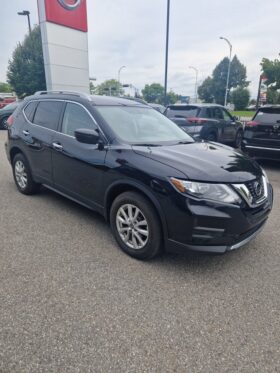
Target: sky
(132, 33)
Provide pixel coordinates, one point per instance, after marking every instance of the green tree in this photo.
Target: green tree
(240, 98)
(5, 87)
(153, 93)
(271, 69)
(273, 97)
(26, 73)
(214, 88)
(109, 87)
(205, 90)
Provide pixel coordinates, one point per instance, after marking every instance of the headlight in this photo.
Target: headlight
(214, 192)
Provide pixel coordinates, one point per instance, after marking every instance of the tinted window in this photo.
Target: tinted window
(217, 113)
(29, 110)
(142, 125)
(76, 117)
(182, 111)
(47, 114)
(268, 116)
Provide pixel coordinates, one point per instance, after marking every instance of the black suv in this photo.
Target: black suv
(262, 134)
(156, 186)
(207, 122)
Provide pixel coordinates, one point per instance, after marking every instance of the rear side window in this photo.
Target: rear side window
(29, 110)
(268, 115)
(47, 114)
(76, 117)
(182, 111)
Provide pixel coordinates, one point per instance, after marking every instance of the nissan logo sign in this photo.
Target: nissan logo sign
(70, 5)
(258, 188)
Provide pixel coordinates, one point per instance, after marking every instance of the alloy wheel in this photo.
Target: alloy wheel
(132, 226)
(20, 174)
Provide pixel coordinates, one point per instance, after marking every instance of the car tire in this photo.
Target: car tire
(3, 123)
(22, 175)
(238, 139)
(135, 226)
(211, 137)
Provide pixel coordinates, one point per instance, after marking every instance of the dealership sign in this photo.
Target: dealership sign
(64, 35)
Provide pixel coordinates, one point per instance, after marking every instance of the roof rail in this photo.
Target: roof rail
(73, 93)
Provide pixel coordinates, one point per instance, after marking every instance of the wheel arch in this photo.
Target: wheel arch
(120, 187)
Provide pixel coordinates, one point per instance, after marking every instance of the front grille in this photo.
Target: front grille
(256, 189)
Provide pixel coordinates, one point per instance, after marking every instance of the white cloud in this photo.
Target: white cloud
(132, 33)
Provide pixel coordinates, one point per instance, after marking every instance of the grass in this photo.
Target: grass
(248, 114)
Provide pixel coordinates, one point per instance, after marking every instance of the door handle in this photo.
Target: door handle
(57, 146)
(25, 132)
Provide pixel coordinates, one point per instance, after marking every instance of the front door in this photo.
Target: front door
(78, 168)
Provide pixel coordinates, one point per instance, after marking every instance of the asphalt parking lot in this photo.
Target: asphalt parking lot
(71, 301)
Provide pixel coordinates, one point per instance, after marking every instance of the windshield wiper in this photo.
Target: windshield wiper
(144, 144)
(184, 142)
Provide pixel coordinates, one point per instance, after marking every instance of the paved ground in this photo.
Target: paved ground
(71, 301)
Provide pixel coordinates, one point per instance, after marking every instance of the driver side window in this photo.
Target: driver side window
(75, 117)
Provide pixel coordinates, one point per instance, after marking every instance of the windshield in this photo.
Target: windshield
(139, 125)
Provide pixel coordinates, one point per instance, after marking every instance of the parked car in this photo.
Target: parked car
(262, 134)
(207, 122)
(6, 99)
(158, 107)
(6, 112)
(158, 188)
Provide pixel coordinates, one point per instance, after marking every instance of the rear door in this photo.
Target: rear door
(264, 129)
(42, 119)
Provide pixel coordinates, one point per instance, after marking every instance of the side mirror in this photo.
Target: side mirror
(87, 136)
(235, 117)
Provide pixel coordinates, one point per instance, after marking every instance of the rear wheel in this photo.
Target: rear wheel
(3, 123)
(135, 225)
(22, 175)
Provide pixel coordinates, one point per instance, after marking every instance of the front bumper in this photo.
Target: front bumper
(214, 228)
(261, 151)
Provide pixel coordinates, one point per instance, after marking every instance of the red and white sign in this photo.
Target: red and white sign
(65, 45)
(69, 13)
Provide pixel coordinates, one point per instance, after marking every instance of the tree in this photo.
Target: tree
(240, 98)
(271, 69)
(26, 73)
(205, 90)
(273, 97)
(5, 87)
(110, 87)
(214, 88)
(154, 93)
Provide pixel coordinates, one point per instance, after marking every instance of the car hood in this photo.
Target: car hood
(205, 161)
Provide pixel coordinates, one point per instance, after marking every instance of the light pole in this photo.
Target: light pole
(166, 52)
(119, 76)
(195, 87)
(230, 50)
(26, 13)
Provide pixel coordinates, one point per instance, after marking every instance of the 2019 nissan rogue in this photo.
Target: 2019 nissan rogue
(158, 188)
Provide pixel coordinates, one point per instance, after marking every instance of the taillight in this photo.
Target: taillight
(10, 120)
(252, 123)
(196, 120)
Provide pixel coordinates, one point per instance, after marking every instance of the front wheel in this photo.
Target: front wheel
(135, 226)
(238, 139)
(211, 137)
